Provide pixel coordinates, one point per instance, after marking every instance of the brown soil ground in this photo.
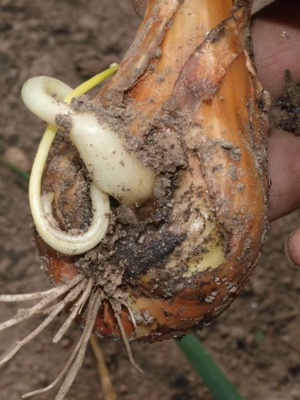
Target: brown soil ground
(256, 341)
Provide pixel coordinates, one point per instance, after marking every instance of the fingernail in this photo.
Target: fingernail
(287, 250)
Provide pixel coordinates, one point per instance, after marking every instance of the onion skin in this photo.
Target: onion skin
(189, 62)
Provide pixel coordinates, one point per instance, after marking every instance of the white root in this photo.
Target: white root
(13, 298)
(114, 171)
(24, 314)
(132, 317)
(72, 295)
(75, 311)
(95, 302)
(126, 343)
(77, 291)
(74, 363)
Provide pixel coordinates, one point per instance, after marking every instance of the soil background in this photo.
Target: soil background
(256, 342)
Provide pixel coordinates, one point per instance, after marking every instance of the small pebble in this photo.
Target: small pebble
(65, 342)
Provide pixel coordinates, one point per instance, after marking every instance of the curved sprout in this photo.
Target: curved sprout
(43, 96)
(113, 169)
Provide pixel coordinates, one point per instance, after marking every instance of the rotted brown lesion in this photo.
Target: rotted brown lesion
(66, 177)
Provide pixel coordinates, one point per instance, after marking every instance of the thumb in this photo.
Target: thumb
(284, 173)
(292, 247)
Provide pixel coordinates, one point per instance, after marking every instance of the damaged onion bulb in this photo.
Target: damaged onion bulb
(173, 153)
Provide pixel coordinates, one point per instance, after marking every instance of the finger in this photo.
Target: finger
(292, 247)
(284, 173)
(276, 38)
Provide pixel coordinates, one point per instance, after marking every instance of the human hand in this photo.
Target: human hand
(276, 37)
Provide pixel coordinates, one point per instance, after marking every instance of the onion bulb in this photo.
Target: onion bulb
(175, 143)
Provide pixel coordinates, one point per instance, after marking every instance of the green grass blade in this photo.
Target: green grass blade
(17, 169)
(207, 369)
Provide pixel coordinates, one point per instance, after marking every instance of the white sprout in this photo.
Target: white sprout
(114, 171)
(43, 96)
(50, 92)
(66, 242)
(112, 168)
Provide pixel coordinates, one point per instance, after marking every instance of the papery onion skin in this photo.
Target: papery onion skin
(190, 88)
